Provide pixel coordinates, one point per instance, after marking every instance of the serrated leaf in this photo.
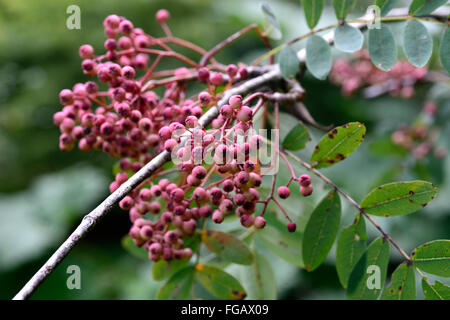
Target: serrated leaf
(417, 43)
(318, 57)
(179, 285)
(403, 284)
(338, 144)
(227, 246)
(313, 10)
(444, 51)
(398, 198)
(433, 257)
(272, 27)
(289, 62)
(279, 241)
(362, 284)
(385, 6)
(382, 47)
(138, 252)
(423, 7)
(343, 7)
(297, 138)
(259, 279)
(350, 247)
(220, 283)
(348, 38)
(321, 231)
(437, 291)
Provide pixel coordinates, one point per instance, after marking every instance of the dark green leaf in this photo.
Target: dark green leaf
(343, 7)
(259, 279)
(138, 252)
(318, 57)
(423, 7)
(313, 10)
(289, 62)
(179, 286)
(386, 6)
(398, 198)
(433, 257)
(297, 138)
(403, 284)
(272, 27)
(227, 246)
(348, 38)
(417, 43)
(437, 291)
(220, 283)
(362, 284)
(444, 51)
(338, 144)
(382, 47)
(321, 231)
(277, 239)
(350, 247)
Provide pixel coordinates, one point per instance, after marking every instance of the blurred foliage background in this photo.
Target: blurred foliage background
(44, 192)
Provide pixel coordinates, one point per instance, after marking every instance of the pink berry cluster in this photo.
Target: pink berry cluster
(360, 72)
(420, 138)
(118, 113)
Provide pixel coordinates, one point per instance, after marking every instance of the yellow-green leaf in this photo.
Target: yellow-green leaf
(338, 144)
(313, 10)
(227, 246)
(219, 283)
(297, 138)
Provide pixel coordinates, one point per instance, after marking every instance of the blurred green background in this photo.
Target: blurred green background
(44, 192)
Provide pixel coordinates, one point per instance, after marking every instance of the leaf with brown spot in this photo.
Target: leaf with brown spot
(403, 284)
(227, 246)
(433, 257)
(220, 284)
(338, 144)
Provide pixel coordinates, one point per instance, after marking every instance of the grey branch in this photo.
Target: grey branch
(272, 74)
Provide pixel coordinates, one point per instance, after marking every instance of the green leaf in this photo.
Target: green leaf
(417, 43)
(376, 255)
(398, 198)
(271, 25)
(259, 279)
(220, 283)
(297, 138)
(403, 284)
(348, 38)
(444, 51)
(313, 10)
(386, 6)
(437, 291)
(318, 57)
(179, 286)
(423, 7)
(433, 257)
(227, 246)
(350, 247)
(382, 47)
(321, 231)
(276, 238)
(165, 269)
(343, 7)
(289, 62)
(338, 144)
(138, 252)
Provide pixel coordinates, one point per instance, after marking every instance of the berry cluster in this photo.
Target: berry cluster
(420, 138)
(360, 72)
(128, 120)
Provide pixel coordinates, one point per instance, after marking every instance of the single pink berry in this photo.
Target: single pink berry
(86, 51)
(259, 223)
(216, 78)
(235, 101)
(306, 191)
(283, 192)
(203, 74)
(231, 70)
(291, 227)
(162, 16)
(218, 216)
(304, 180)
(245, 114)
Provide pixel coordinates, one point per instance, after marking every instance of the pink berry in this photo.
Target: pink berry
(162, 16)
(245, 114)
(259, 223)
(291, 227)
(218, 216)
(205, 98)
(283, 192)
(231, 70)
(304, 180)
(86, 51)
(216, 78)
(306, 191)
(203, 74)
(235, 101)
